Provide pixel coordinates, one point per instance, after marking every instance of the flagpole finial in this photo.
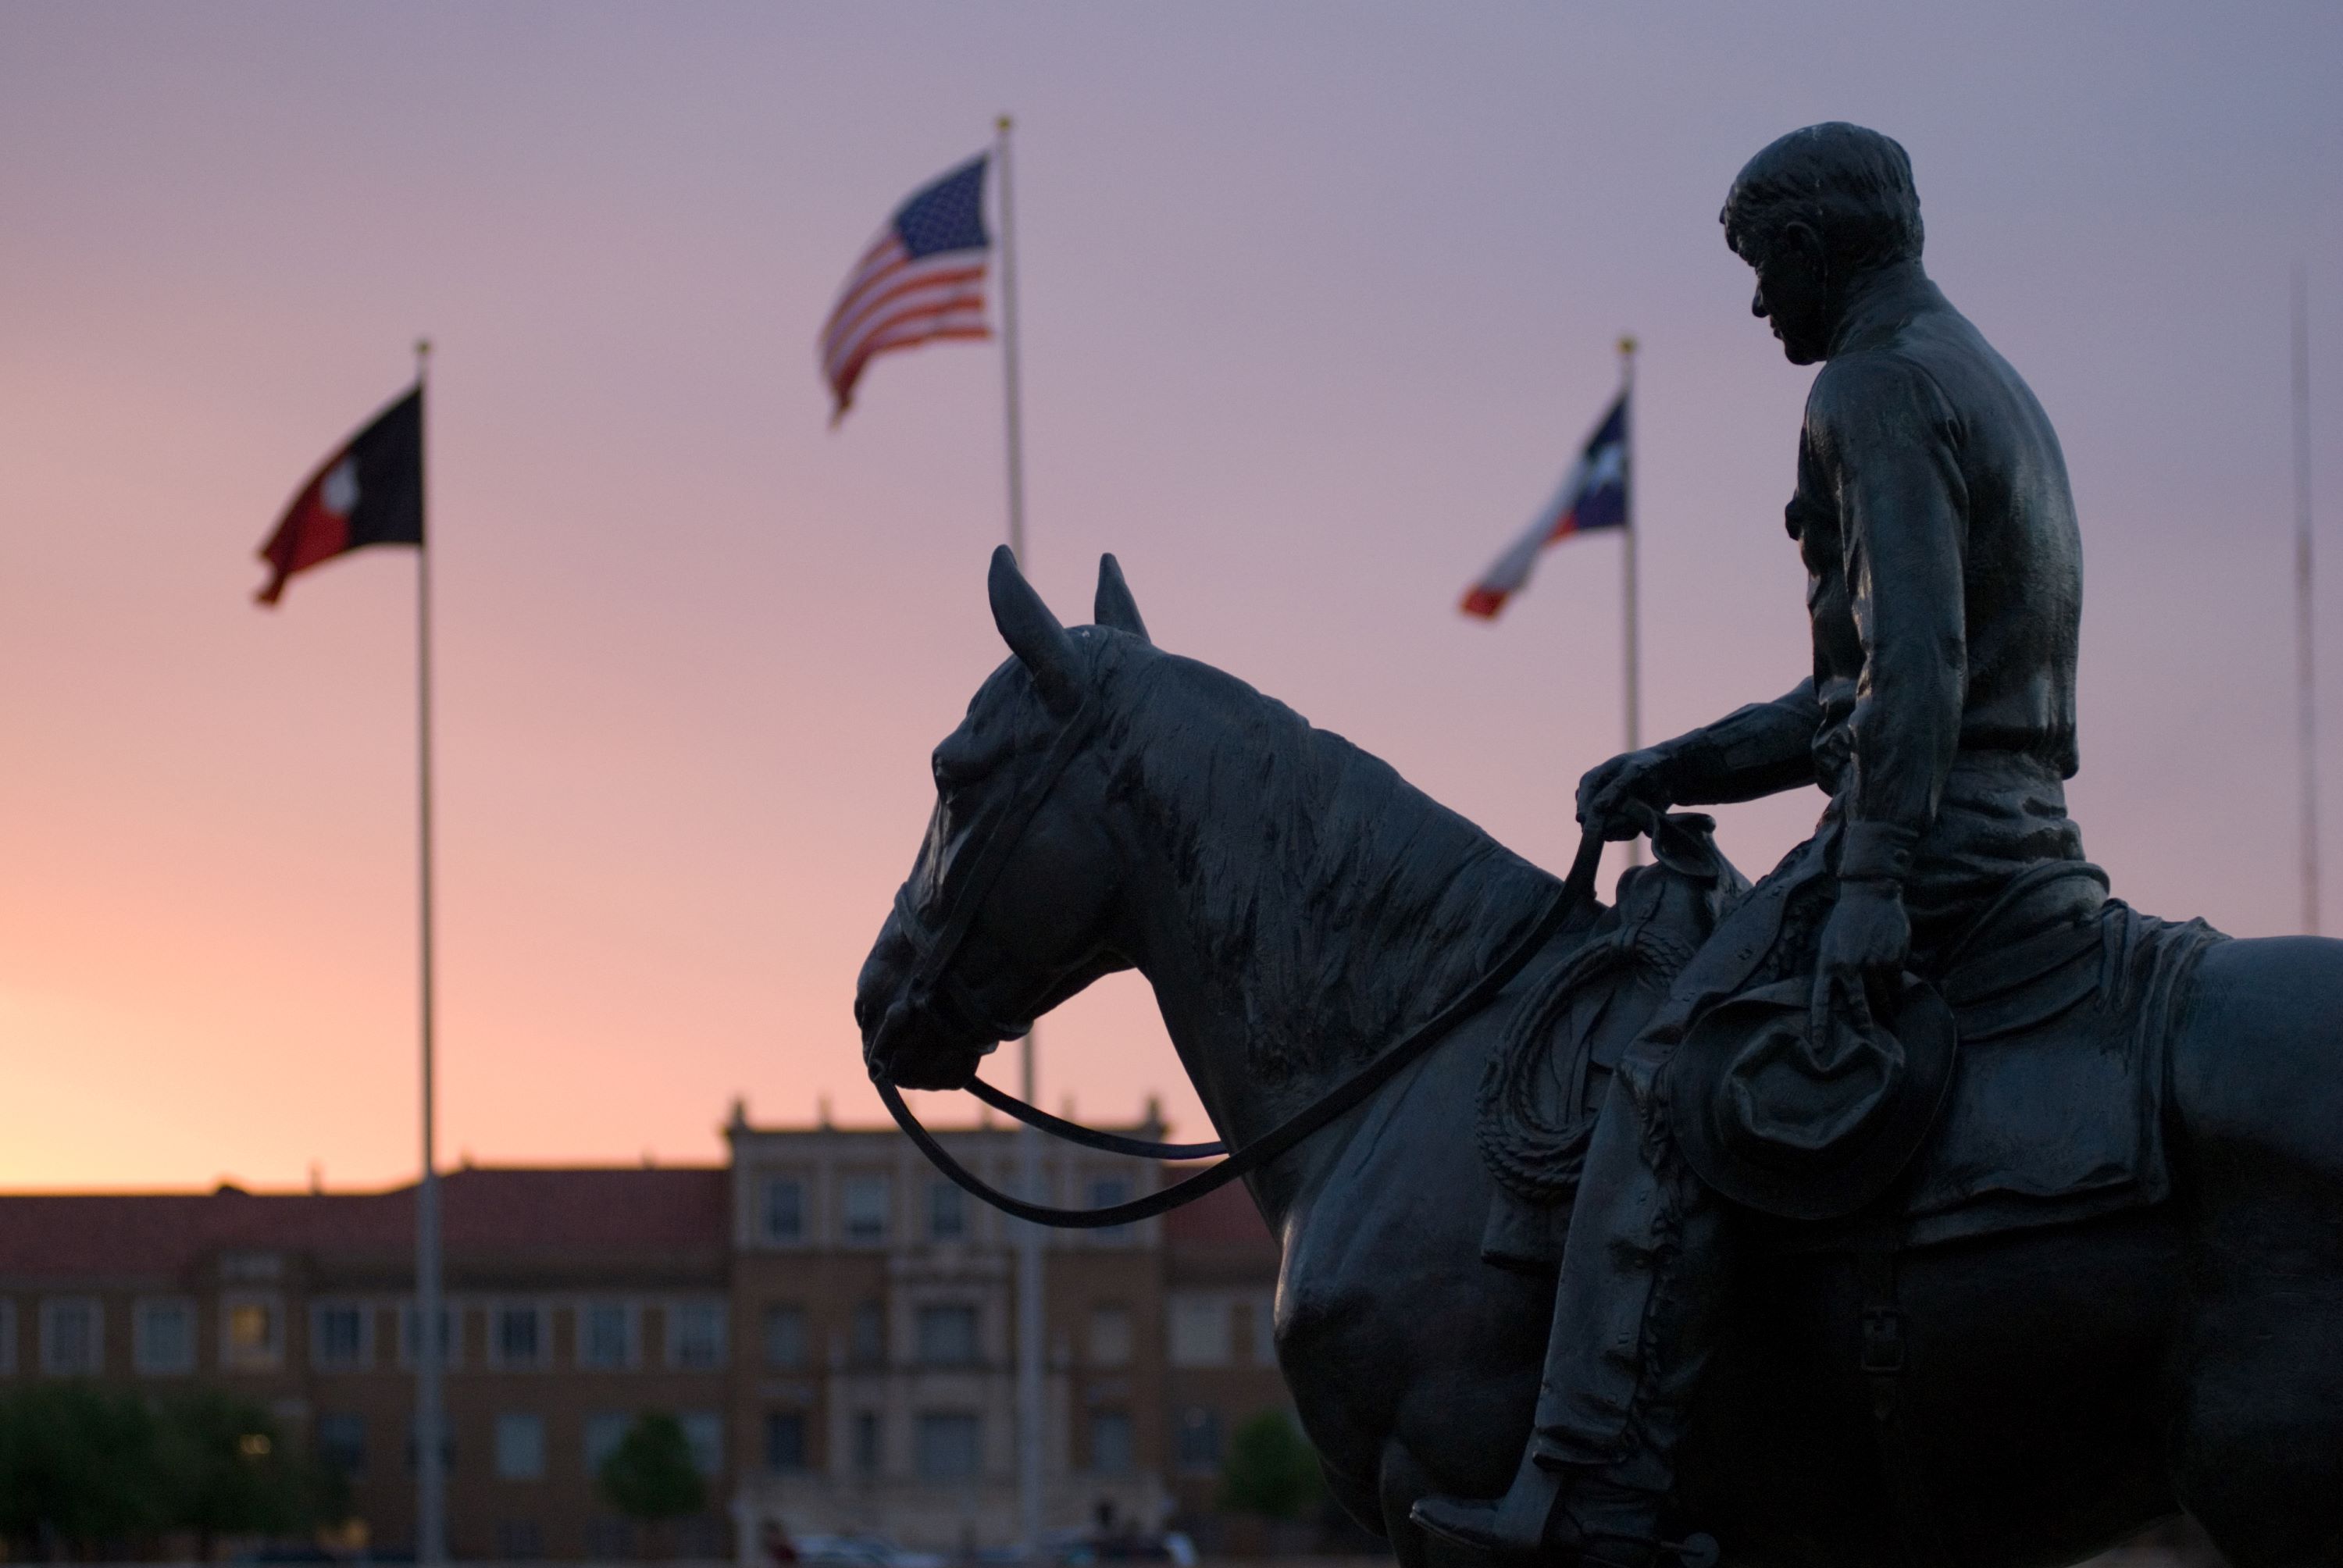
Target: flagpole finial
(1628, 344)
(1002, 124)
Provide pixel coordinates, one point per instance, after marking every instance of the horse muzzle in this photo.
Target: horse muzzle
(908, 1038)
(912, 1048)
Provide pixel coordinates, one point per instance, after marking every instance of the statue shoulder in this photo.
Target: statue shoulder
(1882, 393)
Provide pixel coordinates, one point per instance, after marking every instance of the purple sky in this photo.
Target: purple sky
(1318, 299)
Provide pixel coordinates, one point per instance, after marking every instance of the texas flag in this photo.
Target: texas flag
(1593, 495)
(369, 493)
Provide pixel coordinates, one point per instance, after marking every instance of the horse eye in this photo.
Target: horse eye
(952, 770)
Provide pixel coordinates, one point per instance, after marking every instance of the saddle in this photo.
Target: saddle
(2063, 999)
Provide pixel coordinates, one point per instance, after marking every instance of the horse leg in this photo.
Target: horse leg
(1404, 1481)
(2258, 1081)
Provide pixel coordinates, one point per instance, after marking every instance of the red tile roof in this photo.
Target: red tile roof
(625, 1212)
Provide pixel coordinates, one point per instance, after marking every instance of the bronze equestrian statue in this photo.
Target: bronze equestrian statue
(1944, 584)
(1920, 1204)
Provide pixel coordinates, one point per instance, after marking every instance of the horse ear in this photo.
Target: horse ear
(1033, 634)
(1114, 606)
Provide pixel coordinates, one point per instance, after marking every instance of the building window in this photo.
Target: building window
(410, 1335)
(73, 1337)
(605, 1335)
(1110, 1336)
(784, 1209)
(785, 1337)
(1196, 1442)
(341, 1442)
(1110, 1442)
(866, 1443)
(947, 1446)
(785, 1440)
(866, 1334)
(948, 1336)
(695, 1335)
(604, 1432)
(7, 1336)
(252, 1333)
(704, 1430)
(447, 1445)
(1106, 1191)
(338, 1337)
(519, 1540)
(1261, 1329)
(520, 1447)
(1199, 1331)
(947, 1212)
(163, 1337)
(609, 1539)
(863, 1208)
(516, 1338)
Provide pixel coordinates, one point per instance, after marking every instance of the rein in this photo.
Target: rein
(1576, 889)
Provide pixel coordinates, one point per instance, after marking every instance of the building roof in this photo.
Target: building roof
(623, 1212)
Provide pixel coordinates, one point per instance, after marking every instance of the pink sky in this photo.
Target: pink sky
(1318, 299)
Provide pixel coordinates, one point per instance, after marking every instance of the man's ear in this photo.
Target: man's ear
(1799, 240)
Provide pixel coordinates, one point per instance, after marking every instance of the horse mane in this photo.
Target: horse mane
(1336, 904)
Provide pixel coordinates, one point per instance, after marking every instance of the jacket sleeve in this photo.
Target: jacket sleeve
(1759, 749)
(1892, 447)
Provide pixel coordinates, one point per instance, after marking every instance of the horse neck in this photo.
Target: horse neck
(1294, 903)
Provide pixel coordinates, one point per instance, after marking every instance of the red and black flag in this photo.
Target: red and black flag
(369, 493)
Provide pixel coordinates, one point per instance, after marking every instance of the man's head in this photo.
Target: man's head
(1812, 214)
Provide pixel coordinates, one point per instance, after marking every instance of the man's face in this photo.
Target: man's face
(1792, 291)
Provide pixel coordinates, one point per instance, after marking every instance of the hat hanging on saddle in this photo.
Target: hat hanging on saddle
(1806, 1129)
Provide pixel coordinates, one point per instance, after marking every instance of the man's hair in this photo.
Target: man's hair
(1851, 185)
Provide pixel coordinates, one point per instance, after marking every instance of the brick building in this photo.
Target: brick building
(830, 1321)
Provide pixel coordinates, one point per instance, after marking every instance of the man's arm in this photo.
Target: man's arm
(1751, 751)
(1760, 749)
(1904, 506)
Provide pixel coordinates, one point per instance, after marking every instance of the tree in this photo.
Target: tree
(650, 1475)
(77, 1466)
(1271, 1470)
(226, 1470)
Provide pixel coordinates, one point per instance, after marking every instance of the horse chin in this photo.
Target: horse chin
(912, 1051)
(948, 1071)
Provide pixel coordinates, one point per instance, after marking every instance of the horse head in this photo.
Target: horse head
(1011, 906)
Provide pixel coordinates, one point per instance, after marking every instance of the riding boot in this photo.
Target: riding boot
(1637, 1314)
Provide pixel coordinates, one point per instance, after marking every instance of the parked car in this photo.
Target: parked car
(863, 1552)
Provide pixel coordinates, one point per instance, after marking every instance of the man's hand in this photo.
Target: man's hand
(1609, 797)
(1864, 945)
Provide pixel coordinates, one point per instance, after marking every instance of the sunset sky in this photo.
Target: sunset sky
(1318, 299)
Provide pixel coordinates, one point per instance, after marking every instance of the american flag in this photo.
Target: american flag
(922, 278)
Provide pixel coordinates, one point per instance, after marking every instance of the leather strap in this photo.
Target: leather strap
(1885, 1352)
(1577, 892)
(1090, 1137)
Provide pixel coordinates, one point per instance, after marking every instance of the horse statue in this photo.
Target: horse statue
(1298, 908)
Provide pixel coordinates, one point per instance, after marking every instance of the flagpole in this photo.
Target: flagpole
(430, 1478)
(1028, 1237)
(2306, 711)
(1632, 661)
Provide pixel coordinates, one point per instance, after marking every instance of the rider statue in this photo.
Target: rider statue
(1944, 585)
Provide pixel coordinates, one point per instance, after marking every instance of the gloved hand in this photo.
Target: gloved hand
(1618, 798)
(1864, 945)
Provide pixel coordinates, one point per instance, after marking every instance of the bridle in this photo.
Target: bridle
(933, 988)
